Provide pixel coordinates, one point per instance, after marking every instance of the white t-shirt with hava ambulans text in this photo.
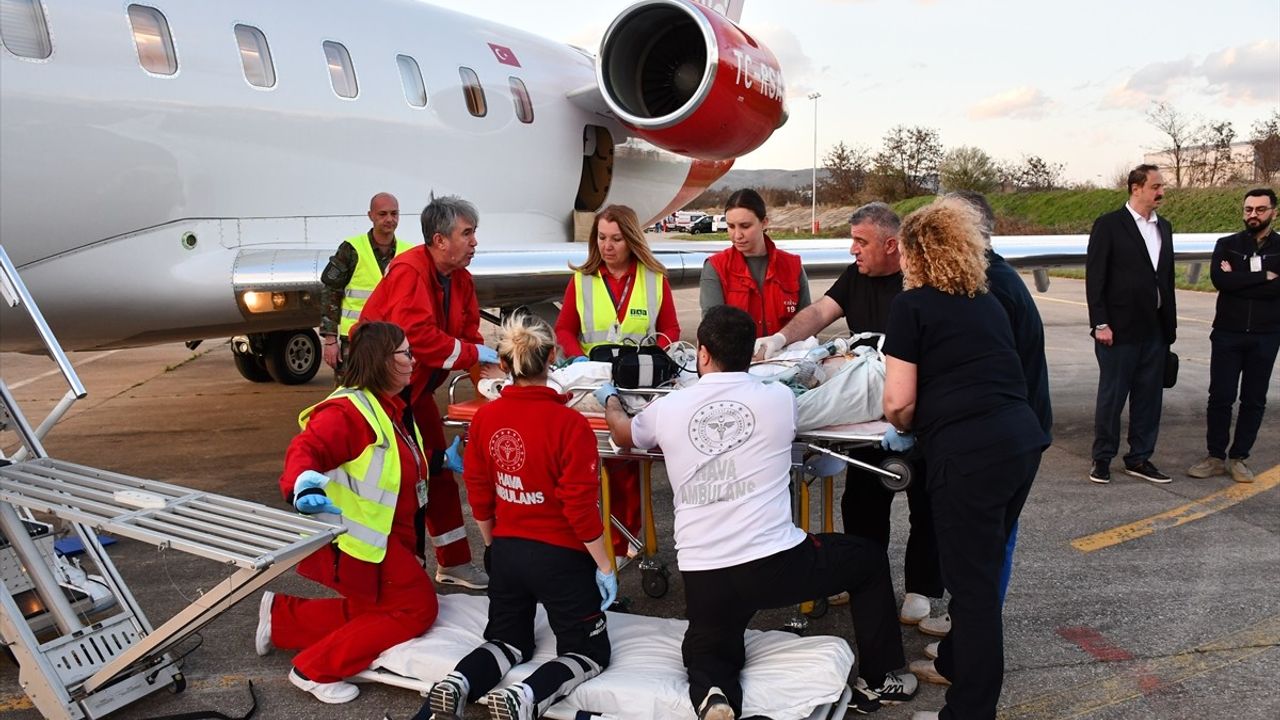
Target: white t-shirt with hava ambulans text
(727, 445)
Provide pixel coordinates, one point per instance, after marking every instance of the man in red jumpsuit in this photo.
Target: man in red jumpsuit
(428, 292)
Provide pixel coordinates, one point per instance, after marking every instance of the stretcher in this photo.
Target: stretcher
(785, 677)
(836, 445)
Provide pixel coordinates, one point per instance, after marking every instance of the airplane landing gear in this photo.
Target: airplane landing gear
(290, 357)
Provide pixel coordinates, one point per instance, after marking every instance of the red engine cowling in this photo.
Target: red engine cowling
(690, 81)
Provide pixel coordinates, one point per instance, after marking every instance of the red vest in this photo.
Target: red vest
(781, 286)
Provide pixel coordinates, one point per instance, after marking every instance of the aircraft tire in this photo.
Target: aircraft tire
(292, 357)
(251, 367)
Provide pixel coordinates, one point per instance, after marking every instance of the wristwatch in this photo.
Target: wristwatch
(1101, 326)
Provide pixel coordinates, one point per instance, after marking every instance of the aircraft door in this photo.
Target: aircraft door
(597, 169)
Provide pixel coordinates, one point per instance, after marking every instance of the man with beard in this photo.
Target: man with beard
(1245, 337)
(1129, 286)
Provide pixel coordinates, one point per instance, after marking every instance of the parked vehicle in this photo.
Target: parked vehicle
(704, 224)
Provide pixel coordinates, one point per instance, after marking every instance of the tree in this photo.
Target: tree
(909, 161)
(968, 168)
(1210, 163)
(846, 174)
(1266, 147)
(1036, 173)
(1180, 131)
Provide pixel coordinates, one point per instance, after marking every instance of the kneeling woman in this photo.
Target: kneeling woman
(358, 463)
(531, 474)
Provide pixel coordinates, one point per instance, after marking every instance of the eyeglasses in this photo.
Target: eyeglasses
(1258, 210)
(407, 353)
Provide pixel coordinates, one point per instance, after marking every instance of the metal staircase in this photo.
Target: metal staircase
(74, 665)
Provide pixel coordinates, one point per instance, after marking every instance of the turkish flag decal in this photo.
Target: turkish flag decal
(504, 55)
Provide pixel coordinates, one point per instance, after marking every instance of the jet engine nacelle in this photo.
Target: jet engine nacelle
(690, 81)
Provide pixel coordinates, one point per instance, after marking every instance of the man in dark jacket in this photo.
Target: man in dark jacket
(1129, 286)
(1245, 337)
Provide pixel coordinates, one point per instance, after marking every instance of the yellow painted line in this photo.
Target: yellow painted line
(1146, 676)
(1193, 510)
(19, 701)
(1081, 304)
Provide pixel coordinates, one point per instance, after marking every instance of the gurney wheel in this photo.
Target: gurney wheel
(900, 467)
(820, 607)
(179, 684)
(654, 582)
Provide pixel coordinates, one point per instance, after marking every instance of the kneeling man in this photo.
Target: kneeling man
(727, 444)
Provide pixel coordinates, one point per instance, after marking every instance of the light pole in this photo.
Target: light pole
(813, 220)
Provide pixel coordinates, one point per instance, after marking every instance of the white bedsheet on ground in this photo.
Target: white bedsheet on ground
(786, 677)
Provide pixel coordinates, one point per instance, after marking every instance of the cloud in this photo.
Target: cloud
(798, 69)
(1241, 74)
(1020, 102)
(1246, 73)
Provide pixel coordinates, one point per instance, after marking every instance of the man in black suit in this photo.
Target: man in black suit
(1129, 285)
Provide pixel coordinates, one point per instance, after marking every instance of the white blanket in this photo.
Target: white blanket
(786, 677)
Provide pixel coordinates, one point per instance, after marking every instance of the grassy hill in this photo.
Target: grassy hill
(1207, 210)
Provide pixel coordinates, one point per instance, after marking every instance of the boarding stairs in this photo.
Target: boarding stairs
(76, 663)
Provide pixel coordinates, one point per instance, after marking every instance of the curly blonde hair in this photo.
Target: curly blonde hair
(943, 248)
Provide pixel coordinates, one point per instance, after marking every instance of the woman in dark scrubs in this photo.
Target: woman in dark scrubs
(954, 378)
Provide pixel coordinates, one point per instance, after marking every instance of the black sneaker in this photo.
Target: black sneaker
(1147, 471)
(864, 700)
(1101, 472)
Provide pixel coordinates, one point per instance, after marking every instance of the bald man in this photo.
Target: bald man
(353, 272)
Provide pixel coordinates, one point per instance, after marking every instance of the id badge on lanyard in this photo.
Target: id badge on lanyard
(420, 487)
(1255, 263)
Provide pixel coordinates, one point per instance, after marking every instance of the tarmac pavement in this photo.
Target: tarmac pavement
(1165, 606)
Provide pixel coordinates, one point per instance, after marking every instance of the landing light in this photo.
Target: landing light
(261, 302)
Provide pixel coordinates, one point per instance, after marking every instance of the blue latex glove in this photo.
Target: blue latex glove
(314, 502)
(602, 395)
(453, 455)
(607, 584)
(896, 441)
(580, 358)
(487, 354)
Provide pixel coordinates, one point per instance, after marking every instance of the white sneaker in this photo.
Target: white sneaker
(333, 693)
(924, 715)
(915, 607)
(936, 626)
(931, 650)
(262, 636)
(928, 672)
(466, 575)
(715, 706)
(511, 703)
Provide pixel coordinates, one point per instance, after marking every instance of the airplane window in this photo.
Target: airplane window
(342, 74)
(411, 78)
(23, 29)
(155, 44)
(473, 92)
(520, 96)
(255, 56)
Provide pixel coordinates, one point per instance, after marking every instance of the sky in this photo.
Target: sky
(1070, 82)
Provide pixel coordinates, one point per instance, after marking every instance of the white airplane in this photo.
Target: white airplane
(175, 170)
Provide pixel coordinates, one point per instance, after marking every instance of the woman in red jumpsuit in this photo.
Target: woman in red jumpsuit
(531, 474)
(385, 600)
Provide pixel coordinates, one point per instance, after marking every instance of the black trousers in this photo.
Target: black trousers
(866, 508)
(522, 574)
(720, 603)
(1240, 363)
(1132, 372)
(976, 503)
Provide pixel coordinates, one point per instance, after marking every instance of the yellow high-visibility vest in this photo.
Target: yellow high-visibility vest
(364, 279)
(599, 317)
(366, 488)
